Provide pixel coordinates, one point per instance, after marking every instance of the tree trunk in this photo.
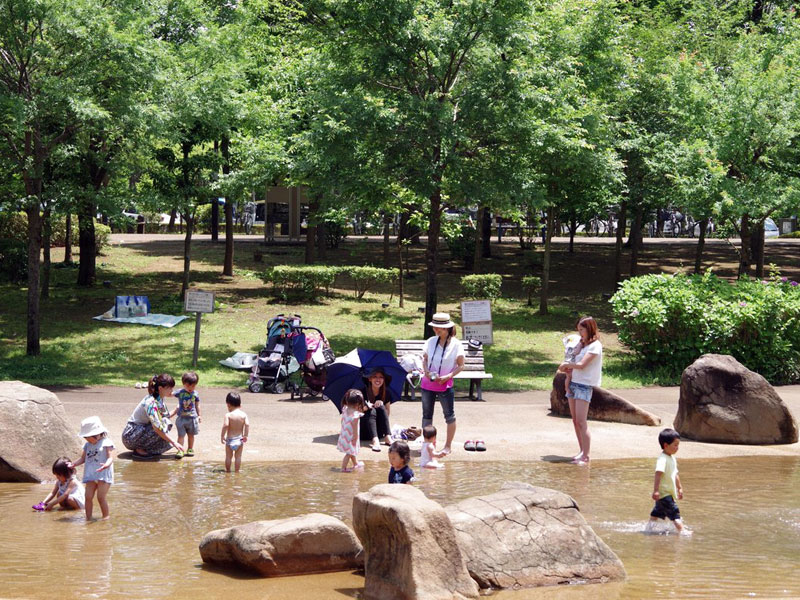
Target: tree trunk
(744, 253)
(187, 253)
(431, 255)
(86, 243)
(486, 234)
(47, 235)
(400, 284)
(322, 241)
(757, 248)
(215, 205)
(173, 214)
(636, 240)
(227, 268)
(68, 239)
(622, 226)
(311, 230)
(701, 242)
(573, 229)
(548, 237)
(387, 248)
(34, 251)
(479, 233)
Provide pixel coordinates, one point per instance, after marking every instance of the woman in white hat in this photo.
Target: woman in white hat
(443, 359)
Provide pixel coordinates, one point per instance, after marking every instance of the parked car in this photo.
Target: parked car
(770, 228)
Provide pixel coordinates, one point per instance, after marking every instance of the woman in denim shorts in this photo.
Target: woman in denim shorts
(586, 372)
(443, 360)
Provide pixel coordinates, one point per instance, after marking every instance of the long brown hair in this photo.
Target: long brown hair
(368, 394)
(591, 328)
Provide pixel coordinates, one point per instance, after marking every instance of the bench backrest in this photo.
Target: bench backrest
(473, 359)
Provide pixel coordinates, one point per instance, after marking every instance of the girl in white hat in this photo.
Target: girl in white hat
(98, 461)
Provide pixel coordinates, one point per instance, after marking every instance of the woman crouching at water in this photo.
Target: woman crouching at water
(146, 431)
(586, 374)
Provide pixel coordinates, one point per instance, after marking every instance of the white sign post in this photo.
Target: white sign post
(476, 320)
(198, 302)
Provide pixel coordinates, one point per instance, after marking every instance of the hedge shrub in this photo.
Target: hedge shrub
(13, 260)
(303, 280)
(531, 284)
(482, 286)
(14, 226)
(669, 321)
(365, 278)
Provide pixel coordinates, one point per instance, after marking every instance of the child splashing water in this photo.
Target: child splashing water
(667, 484)
(98, 461)
(352, 401)
(68, 491)
(429, 454)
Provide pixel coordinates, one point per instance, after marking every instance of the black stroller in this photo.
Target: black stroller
(281, 356)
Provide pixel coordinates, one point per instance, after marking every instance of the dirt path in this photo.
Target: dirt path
(515, 426)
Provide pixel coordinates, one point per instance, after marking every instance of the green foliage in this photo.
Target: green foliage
(365, 278)
(335, 221)
(461, 237)
(482, 286)
(531, 284)
(14, 226)
(303, 280)
(13, 259)
(669, 321)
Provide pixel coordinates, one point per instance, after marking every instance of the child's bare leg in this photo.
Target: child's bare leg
(678, 524)
(567, 381)
(102, 492)
(345, 462)
(228, 458)
(91, 486)
(191, 440)
(238, 455)
(69, 503)
(180, 439)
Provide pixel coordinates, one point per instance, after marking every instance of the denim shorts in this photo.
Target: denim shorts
(190, 425)
(579, 391)
(666, 508)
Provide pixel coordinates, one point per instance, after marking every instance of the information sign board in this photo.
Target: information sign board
(199, 302)
(476, 320)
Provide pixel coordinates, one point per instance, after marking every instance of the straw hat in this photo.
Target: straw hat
(91, 427)
(442, 320)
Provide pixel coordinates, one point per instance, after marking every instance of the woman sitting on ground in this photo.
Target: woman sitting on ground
(146, 431)
(375, 422)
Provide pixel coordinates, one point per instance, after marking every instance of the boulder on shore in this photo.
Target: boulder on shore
(723, 401)
(313, 543)
(605, 406)
(525, 536)
(34, 432)
(410, 547)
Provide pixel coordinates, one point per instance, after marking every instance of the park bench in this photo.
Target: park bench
(474, 368)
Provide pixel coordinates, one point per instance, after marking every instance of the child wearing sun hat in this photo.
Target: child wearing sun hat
(98, 461)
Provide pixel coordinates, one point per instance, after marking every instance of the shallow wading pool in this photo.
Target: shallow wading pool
(744, 514)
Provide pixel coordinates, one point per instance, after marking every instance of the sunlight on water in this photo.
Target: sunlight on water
(744, 515)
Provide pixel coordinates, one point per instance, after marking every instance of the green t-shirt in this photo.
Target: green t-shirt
(667, 464)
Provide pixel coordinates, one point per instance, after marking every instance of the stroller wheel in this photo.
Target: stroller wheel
(278, 388)
(256, 387)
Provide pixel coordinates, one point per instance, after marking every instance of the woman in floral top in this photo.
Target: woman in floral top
(146, 432)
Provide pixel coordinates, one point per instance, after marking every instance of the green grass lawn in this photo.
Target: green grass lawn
(79, 351)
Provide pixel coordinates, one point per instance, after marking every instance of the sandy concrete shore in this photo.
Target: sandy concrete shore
(516, 426)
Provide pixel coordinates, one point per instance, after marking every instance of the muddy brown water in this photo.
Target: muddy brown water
(744, 514)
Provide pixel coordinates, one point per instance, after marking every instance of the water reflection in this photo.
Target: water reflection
(744, 513)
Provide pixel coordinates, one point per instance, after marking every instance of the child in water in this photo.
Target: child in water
(235, 430)
(399, 455)
(352, 401)
(667, 484)
(429, 454)
(68, 491)
(98, 461)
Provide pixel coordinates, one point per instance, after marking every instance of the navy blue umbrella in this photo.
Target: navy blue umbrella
(350, 370)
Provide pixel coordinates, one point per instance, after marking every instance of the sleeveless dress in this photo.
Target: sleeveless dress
(348, 438)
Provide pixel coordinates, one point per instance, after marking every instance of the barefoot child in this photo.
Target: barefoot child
(667, 484)
(68, 491)
(235, 429)
(429, 454)
(98, 461)
(399, 455)
(188, 412)
(352, 401)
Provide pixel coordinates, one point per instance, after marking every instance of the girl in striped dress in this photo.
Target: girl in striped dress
(348, 438)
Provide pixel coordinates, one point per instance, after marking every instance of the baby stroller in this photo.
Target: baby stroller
(280, 357)
(315, 366)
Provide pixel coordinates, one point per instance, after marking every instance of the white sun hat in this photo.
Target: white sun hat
(91, 426)
(442, 320)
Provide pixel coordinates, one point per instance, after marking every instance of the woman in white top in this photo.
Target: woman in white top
(586, 374)
(443, 359)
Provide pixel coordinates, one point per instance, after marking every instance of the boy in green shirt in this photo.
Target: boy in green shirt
(667, 484)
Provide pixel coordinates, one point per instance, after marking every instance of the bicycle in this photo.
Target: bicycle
(249, 217)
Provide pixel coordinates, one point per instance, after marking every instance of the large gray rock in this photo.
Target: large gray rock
(525, 536)
(313, 543)
(723, 401)
(34, 432)
(605, 406)
(410, 547)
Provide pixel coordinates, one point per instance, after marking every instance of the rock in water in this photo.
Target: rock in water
(313, 543)
(410, 547)
(723, 401)
(34, 432)
(525, 536)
